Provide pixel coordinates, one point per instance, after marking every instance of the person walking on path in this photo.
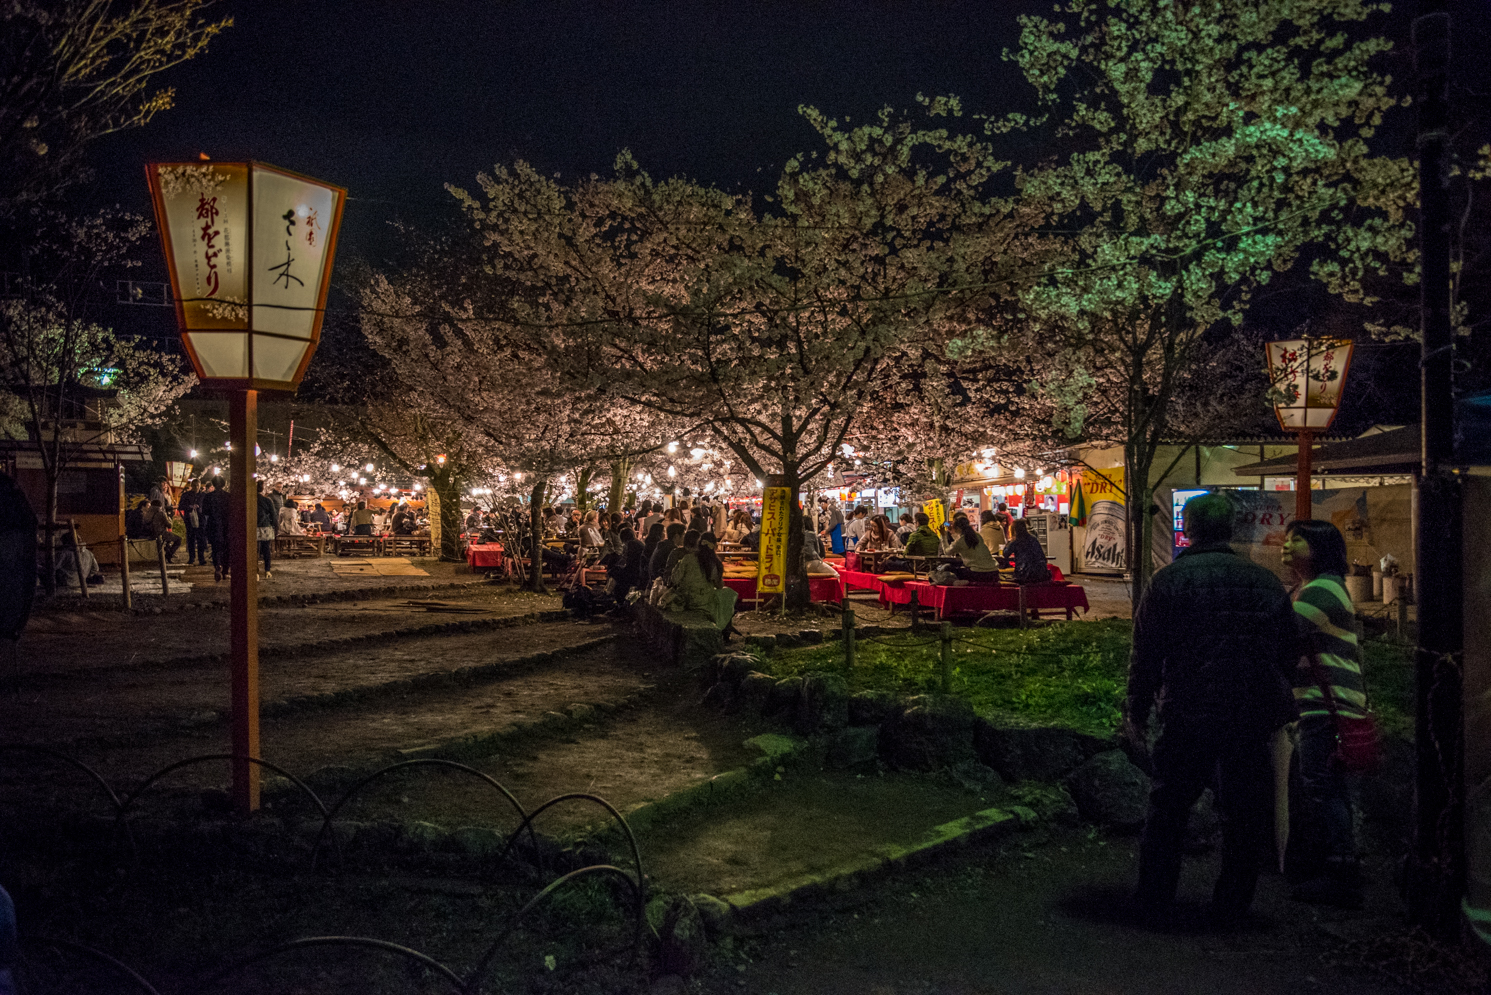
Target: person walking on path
(1315, 552)
(1215, 640)
(190, 507)
(266, 521)
(214, 509)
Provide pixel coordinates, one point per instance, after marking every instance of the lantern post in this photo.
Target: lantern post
(1306, 376)
(249, 248)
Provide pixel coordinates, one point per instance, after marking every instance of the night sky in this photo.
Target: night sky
(394, 100)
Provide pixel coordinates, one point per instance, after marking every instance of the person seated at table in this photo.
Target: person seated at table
(360, 522)
(697, 582)
(657, 564)
(854, 529)
(879, 537)
(923, 541)
(689, 543)
(650, 543)
(630, 567)
(591, 539)
(289, 521)
(402, 523)
(812, 554)
(905, 525)
(321, 519)
(978, 564)
(739, 526)
(1026, 552)
(989, 530)
(612, 534)
(473, 520)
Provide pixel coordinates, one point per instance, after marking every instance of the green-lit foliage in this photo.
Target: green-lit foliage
(1070, 674)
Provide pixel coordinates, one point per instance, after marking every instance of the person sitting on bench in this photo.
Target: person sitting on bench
(1030, 559)
(978, 564)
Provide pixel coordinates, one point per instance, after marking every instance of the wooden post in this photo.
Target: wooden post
(243, 626)
(849, 643)
(947, 658)
(129, 598)
(1024, 614)
(160, 557)
(77, 556)
(915, 612)
(1302, 508)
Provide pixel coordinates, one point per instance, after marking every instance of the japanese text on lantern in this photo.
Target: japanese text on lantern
(283, 269)
(207, 213)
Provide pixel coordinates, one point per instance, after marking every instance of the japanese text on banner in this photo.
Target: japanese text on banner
(771, 572)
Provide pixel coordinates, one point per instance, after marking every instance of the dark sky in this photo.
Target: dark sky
(392, 100)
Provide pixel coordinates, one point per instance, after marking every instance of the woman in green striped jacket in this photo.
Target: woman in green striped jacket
(1316, 553)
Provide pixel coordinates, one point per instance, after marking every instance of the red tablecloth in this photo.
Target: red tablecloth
(946, 599)
(819, 588)
(484, 555)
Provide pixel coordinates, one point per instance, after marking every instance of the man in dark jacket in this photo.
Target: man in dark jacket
(214, 510)
(1215, 643)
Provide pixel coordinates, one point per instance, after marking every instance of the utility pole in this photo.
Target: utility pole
(1436, 878)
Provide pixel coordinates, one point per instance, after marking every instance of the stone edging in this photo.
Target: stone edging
(980, 827)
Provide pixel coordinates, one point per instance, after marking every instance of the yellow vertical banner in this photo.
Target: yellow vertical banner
(936, 512)
(771, 563)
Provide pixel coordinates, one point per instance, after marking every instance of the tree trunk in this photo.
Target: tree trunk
(1138, 461)
(535, 582)
(49, 582)
(797, 597)
(583, 477)
(448, 489)
(616, 494)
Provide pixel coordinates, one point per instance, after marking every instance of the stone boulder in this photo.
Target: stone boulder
(784, 697)
(822, 703)
(1042, 753)
(852, 746)
(1109, 790)
(732, 667)
(934, 731)
(870, 708)
(754, 692)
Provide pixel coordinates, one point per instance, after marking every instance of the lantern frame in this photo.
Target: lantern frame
(1280, 370)
(332, 230)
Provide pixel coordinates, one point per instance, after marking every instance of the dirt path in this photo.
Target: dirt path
(304, 741)
(60, 640)
(1046, 915)
(123, 702)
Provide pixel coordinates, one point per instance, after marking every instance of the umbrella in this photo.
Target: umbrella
(1282, 748)
(1079, 505)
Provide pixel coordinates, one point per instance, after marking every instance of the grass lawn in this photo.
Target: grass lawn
(1066, 673)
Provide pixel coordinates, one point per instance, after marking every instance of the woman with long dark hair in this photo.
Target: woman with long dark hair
(1315, 552)
(978, 564)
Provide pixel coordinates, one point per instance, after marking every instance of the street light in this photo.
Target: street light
(1306, 377)
(249, 248)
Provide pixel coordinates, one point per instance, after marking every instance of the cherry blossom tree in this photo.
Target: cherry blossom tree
(773, 326)
(1204, 148)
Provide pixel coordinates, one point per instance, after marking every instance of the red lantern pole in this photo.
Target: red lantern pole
(1302, 509)
(243, 519)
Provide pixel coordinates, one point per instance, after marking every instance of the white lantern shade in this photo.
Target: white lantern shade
(249, 299)
(1307, 376)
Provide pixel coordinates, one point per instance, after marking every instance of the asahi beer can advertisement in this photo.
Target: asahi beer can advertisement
(1103, 549)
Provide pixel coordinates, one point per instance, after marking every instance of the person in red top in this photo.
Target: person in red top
(1004, 520)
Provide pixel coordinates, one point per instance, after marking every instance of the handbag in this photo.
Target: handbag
(1358, 743)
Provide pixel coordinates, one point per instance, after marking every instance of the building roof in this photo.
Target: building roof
(1395, 451)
